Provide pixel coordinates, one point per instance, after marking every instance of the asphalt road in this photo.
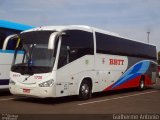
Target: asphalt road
(130, 101)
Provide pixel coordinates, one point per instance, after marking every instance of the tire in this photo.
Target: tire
(142, 83)
(85, 90)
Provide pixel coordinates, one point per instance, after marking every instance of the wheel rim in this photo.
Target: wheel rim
(85, 89)
(142, 84)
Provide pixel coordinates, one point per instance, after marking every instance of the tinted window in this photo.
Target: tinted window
(12, 44)
(2, 37)
(36, 37)
(4, 33)
(75, 44)
(119, 46)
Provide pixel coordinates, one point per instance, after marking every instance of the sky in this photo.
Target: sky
(129, 18)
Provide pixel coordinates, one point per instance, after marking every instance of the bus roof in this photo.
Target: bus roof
(13, 25)
(82, 27)
(71, 27)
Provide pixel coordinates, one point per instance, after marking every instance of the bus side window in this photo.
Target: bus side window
(74, 45)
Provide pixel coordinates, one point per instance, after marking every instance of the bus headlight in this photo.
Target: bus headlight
(12, 82)
(48, 83)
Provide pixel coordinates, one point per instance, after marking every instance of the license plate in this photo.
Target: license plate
(26, 90)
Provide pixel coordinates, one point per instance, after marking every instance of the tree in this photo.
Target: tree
(159, 57)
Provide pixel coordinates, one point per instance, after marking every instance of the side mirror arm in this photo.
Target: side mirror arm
(6, 41)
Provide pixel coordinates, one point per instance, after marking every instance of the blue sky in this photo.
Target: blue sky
(129, 18)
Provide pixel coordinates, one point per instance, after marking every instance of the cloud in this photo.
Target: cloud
(131, 18)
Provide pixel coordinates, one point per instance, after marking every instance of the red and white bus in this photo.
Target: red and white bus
(80, 60)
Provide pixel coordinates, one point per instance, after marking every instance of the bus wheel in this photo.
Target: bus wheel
(85, 90)
(142, 83)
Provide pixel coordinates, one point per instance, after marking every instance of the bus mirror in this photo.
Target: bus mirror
(52, 39)
(7, 40)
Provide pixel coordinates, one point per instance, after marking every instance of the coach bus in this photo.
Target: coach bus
(79, 60)
(7, 48)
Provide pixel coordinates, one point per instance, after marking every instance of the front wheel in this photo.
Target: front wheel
(85, 90)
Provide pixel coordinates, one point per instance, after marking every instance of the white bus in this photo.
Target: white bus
(79, 60)
(7, 47)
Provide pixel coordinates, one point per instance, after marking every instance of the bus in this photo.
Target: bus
(7, 49)
(79, 60)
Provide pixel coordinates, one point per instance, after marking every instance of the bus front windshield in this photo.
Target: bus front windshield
(34, 56)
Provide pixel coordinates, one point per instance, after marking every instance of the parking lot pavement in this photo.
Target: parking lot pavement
(124, 101)
(101, 106)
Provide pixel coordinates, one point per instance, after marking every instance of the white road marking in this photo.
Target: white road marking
(7, 99)
(104, 100)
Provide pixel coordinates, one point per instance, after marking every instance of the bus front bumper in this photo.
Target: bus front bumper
(40, 92)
